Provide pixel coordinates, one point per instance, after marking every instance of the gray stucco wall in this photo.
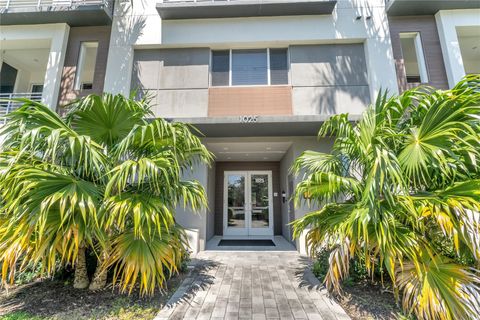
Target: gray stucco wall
(325, 79)
(194, 221)
(329, 79)
(285, 165)
(297, 148)
(211, 202)
(176, 79)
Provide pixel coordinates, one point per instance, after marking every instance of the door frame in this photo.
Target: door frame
(248, 230)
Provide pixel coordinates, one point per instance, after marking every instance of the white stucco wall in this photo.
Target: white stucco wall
(447, 23)
(25, 36)
(140, 26)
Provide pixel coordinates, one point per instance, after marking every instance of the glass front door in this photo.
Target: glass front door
(248, 203)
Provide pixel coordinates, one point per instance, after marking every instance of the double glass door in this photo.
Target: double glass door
(248, 209)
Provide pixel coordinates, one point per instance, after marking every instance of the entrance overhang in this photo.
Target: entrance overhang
(254, 126)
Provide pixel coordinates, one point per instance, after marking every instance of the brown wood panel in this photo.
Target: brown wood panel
(221, 167)
(78, 35)
(238, 101)
(427, 28)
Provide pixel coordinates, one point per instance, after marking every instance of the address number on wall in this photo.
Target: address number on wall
(248, 119)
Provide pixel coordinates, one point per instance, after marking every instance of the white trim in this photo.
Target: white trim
(234, 231)
(230, 61)
(79, 70)
(422, 63)
(447, 23)
(248, 230)
(84, 45)
(269, 76)
(419, 53)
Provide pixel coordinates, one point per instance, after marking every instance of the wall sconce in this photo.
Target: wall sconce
(284, 196)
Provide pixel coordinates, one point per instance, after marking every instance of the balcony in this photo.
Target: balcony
(204, 9)
(73, 12)
(8, 103)
(415, 7)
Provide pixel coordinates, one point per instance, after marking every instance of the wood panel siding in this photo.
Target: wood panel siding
(100, 34)
(221, 167)
(239, 101)
(427, 28)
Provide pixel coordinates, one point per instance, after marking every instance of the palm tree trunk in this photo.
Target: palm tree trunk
(81, 276)
(100, 277)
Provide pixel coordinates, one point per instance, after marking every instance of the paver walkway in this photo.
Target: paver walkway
(251, 285)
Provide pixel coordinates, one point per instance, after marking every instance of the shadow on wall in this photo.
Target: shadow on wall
(156, 69)
(129, 30)
(330, 78)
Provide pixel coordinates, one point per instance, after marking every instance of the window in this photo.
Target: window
(278, 66)
(8, 77)
(249, 67)
(37, 88)
(86, 65)
(414, 60)
(221, 68)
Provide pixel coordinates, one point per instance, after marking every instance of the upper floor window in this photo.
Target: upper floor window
(85, 72)
(413, 57)
(249, 67)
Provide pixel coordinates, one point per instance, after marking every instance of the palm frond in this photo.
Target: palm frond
(145, 259)
(438, 289)
(106, 119)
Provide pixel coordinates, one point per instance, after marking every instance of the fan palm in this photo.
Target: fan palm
(102, 179)
(401, 190)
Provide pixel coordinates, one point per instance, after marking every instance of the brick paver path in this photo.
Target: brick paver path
(251, 285)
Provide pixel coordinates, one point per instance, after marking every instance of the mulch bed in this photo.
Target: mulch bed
(57, 299)
(366, 301)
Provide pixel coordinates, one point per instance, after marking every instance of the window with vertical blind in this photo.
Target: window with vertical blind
(221, 68)
(278, 66)
(249, 67)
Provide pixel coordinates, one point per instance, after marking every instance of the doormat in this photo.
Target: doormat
(246, 243)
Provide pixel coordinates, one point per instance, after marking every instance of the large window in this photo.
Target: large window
(86, 66)
(413, 58)
(249, 67)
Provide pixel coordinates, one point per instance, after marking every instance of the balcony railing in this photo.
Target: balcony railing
(415, 7)
(172, 1)
(200, 9)
(73, 12)
(25, 4)
(8, 103)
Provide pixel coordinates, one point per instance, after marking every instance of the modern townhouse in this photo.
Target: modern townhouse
(434, 42)
(257, 78)
(53, 50)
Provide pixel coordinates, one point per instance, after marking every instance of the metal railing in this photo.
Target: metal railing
(173, 1)
(8, 103)
(25, 4)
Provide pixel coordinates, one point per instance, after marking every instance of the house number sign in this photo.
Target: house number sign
(248, 119)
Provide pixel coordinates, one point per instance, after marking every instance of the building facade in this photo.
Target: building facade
(257, 77)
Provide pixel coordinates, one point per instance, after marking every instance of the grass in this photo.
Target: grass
(20, 315)
(119, 312)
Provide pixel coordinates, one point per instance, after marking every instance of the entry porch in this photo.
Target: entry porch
(249, 189)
